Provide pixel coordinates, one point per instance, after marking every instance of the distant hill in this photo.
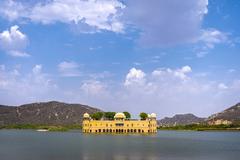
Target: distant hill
(228, 116)
(47, 113)
(180, 119)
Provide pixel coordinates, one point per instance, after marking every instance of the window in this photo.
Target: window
(119, 124)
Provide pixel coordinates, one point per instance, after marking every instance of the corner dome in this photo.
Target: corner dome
(120, 115)
(153, 115)
(86, 115)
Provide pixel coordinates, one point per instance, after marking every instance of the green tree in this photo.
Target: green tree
(127, 114)
(109, 115)
(97, 115)
(143, 115)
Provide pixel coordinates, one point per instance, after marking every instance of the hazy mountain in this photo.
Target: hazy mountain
(180, 119)
(52, 113)
(230, 115)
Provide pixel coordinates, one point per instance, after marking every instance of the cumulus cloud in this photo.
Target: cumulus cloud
(222, 86)
(166, 23)
(11, 9)
(93, 87)
(37, 69)
(159, 22)
(177, 73)
(211, 37)
(168, 90)
(14, 42)
(135, 76)
(17, 88)
(161, 91)
(69, 69)
(89, 15)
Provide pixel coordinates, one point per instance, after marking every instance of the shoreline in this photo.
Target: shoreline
(65, 128)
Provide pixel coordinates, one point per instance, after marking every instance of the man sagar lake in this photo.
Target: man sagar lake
(75, 145)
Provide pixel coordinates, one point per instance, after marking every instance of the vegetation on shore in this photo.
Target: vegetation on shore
(201, 127)
(190, 127)
(46, 127)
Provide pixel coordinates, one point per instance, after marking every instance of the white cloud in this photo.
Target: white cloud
(135, 76)
(177, 73)
(14, 42)
(159, 22)
(15, 53)
(160, 91)
(11, 9)
(94, 15)
(17, 88)
(222, 86)
(37, 69)
(69, 69)
(169, 91)
(166, 23)
(202, 53)
(186, 69)
(211, 37)
(93, 87)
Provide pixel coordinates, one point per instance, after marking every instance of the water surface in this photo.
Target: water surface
(165, 145)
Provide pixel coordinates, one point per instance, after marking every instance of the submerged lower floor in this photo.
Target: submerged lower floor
(120, 130)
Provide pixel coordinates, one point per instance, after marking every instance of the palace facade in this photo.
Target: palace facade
(120, 124)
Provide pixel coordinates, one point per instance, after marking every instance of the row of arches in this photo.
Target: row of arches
(117, 130)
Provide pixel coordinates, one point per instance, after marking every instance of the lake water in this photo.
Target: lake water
(165, 145)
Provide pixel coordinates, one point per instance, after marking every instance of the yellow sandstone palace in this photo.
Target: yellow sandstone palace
(120, 124)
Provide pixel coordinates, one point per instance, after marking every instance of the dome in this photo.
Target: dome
(149, 116)
(153, 115)
(120, 115)
(86, 115)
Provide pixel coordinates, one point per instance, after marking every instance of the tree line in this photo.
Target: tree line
(110, 115)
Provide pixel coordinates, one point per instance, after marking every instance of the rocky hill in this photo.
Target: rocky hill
(228, 116)
(180, 119)
(47, 113)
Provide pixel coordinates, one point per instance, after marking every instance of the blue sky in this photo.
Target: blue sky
(157, 56)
